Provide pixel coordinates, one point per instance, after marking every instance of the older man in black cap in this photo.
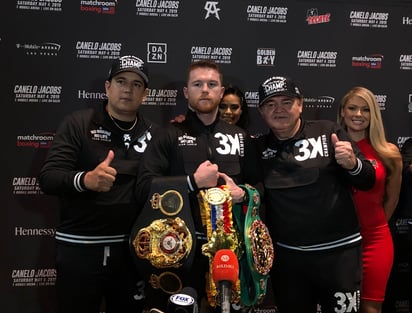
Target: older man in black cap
(92, 168)
(309, 170)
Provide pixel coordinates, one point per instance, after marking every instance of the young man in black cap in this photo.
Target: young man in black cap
(309, 169)
(92, 167)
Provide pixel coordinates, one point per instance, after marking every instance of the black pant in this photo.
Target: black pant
(331, 278)
(90, 275)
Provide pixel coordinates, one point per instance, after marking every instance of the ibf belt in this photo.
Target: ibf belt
(216, 211)
(162, 238)
(257, 259)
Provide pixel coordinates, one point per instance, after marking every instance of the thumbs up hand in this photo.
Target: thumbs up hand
(344, 154)
(101, 179)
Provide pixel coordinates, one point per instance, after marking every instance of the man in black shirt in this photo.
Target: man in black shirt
(309, 169)
(201, 152)
(92, 167)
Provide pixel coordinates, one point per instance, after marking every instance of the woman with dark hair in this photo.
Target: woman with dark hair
(233, 107)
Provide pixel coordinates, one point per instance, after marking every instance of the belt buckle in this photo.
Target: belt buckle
(164, 243)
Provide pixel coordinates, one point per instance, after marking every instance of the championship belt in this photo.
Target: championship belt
(216, 211)
(257, 259)
(162, 239)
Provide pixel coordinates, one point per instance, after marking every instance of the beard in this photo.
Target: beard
(205, 106)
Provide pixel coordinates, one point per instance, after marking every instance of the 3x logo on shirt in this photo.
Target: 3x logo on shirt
(228, 144)
(308, 148)
(139, 146)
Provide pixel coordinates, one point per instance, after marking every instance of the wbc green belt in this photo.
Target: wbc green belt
(258, 255)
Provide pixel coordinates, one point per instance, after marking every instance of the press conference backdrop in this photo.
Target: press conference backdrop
(55, 56)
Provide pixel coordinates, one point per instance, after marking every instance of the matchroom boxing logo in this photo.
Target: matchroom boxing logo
(41, 140)
(373, 61)
(97, 6)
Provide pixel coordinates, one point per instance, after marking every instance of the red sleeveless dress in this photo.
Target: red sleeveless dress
(377, 244)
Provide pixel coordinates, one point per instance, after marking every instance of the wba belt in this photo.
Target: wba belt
(163, 237)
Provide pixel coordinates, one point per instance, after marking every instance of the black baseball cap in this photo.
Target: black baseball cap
(278, 86)
(129, 63)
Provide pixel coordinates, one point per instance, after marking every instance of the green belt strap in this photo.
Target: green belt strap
(257, 258)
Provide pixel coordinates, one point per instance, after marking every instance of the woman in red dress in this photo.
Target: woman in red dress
(359, 113)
